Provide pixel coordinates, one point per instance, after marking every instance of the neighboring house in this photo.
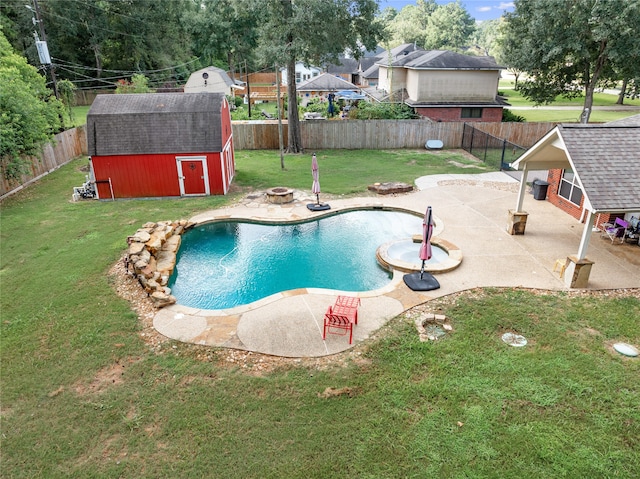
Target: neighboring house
(602, 170)
(321, 86)
(442, 85)
(347, 69)
(369, 64)
(212, 80)
(165, 144)
(303, 73)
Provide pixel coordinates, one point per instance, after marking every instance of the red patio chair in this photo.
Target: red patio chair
(338, 321)
(343, 315)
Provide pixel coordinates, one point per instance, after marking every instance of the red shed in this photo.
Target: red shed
(160, 144)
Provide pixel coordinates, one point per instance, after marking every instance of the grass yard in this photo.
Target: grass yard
(572, 116)
(84, 395)
(347, 172)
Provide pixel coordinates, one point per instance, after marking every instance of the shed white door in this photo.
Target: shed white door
(192, 175)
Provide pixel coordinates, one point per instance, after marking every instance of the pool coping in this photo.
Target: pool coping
(212, 217)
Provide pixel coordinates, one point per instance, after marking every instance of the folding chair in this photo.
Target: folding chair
(616, 230)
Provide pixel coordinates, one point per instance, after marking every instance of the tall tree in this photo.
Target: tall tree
(314, 32)
(29, 113)
(224, 32)
(486, 37)
(449, 27)
(411, 23)
(568, 46)
(78, 34)
(88, 38)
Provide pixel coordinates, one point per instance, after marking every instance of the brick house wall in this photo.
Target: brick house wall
(553, 178)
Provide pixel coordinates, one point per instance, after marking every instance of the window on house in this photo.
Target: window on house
(471, 113)
(298, 77)
(569, 188)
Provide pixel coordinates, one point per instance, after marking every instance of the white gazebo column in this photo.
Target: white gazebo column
(578, 268)
(518, 218)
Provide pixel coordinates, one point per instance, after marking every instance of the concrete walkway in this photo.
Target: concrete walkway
(472, 211)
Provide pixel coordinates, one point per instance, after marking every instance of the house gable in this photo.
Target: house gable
(211, 80)
(605, 159)
(444, 85)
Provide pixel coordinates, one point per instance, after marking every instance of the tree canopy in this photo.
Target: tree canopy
(314, 32)
(29, 114)
(430, 26)
(568, 47)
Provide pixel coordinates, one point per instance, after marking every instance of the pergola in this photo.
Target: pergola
(605, 159)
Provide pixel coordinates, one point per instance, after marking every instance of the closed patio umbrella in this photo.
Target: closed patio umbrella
(315, 187)
(423, 281)
(425, 248)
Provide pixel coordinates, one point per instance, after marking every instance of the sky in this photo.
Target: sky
(478, 9)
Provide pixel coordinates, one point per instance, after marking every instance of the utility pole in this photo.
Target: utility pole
(43, 50)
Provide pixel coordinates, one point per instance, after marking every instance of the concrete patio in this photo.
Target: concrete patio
(473, 214)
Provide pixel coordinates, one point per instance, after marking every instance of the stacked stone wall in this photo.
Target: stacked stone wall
(151, 257)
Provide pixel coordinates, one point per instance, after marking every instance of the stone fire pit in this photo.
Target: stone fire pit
(279, 195)
(390, 188)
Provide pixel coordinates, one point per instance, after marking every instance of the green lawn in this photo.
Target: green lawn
(84, 395)
(572, 116)
(346, 172)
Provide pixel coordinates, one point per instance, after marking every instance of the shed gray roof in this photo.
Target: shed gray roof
(605, 159)
(628, 121)
(326, 82)
(153, 123)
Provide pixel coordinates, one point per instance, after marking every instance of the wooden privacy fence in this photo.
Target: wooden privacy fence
(66, 146)
(316, 135)
(379, 134)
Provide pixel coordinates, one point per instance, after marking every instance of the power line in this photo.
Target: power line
(76, 65)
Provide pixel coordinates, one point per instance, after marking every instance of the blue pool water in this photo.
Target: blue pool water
(226, 264)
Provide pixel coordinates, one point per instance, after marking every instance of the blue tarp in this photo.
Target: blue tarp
(349, 95)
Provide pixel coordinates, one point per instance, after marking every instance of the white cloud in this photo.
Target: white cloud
(505, 5)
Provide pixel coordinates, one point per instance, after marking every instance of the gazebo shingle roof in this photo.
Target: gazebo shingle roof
(606, 159)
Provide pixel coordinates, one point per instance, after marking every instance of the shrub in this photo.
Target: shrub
(508, 115)
(381, 111)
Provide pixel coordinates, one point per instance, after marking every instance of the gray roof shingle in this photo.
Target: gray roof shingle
(326, 82)
(606, 159)
(155, 123)
(440, 60)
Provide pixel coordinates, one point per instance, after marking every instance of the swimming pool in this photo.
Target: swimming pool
(225, 264)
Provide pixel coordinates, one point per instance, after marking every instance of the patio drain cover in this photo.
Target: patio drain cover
(513, 339)
(626, 349)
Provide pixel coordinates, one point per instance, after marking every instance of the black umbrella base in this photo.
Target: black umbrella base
(427, 283)
(318, 206)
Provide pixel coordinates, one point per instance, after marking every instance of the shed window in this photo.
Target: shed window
(569, 188)
(471, 113)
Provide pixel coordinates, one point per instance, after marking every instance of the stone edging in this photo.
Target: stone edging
(151, 257)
